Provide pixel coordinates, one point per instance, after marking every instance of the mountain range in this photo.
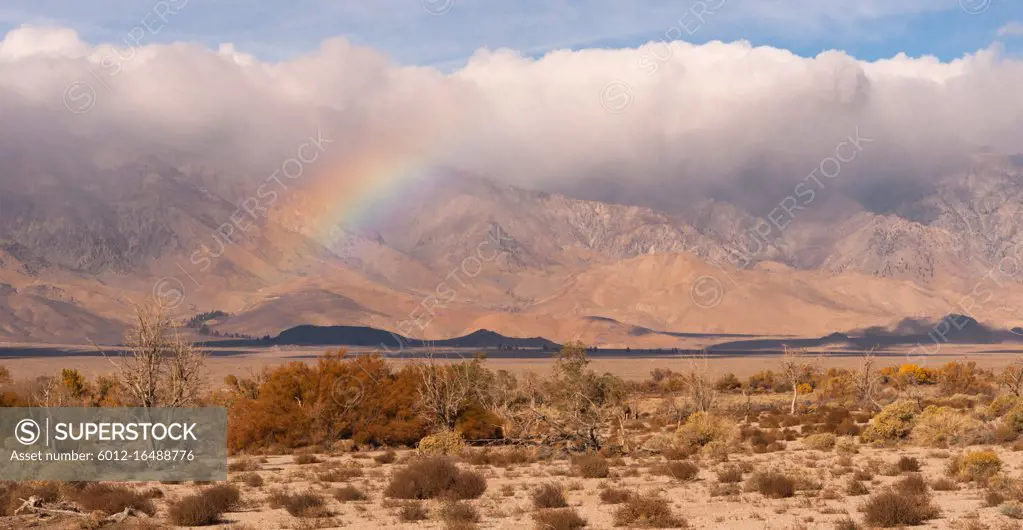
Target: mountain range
(455, 253)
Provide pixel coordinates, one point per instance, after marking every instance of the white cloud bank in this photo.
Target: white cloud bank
(675, 120)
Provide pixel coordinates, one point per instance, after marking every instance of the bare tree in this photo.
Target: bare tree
(1012, 378)
(699, 387)
(445, 390)
(795, 367)
(865, 380)
(159, 368)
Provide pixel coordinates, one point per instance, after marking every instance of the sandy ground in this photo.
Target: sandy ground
(507, 502)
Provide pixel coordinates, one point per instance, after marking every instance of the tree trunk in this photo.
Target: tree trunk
(795, 393)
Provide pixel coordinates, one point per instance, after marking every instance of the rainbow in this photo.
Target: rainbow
(360, 188)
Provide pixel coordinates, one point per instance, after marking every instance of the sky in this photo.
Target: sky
(445, 33)
(640, 101)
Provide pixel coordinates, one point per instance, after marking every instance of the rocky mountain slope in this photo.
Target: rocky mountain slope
(78, 247)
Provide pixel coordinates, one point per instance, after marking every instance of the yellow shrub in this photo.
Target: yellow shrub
(917, 374)
(975, 466)
(894, 422)
(824, 441)
(940, 426)
(1002, 405)
(1014, 418)
(442, 443)
(703, 428)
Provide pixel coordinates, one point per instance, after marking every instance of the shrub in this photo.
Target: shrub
(614, 495)
(412, 511)
(820, 442)
(306, 458)
(1013, 418)
(252, 480)
(702, 428)
(772, 485)
(974, 466)
(993, 498)
(1002, 405)
(912, 484)
(943, 484)
(206, 507)
(648, 511)
(1012, 509)
(683, 470)
(908, 463)
(387, 457)
(112, 499)
(730, 475)
(304, 504)
(558, 519)
(891, 508)
(444, 443)
(941, 426)
(549, 495)
(846, 524)
(349, 493)
(846, 446)
(338, 472)
(244, 464)
(193, 510)
(855, 488)
(435, 477)
(894, 422)
(591, 465)
(298, 405)
(459, 512)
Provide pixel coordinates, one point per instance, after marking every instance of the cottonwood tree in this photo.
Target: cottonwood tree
(159, 368)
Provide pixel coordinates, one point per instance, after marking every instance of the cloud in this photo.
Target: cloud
(681, 120)
(1011, 29)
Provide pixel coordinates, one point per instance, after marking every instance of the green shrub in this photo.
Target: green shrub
(942, 426)
(893, 423)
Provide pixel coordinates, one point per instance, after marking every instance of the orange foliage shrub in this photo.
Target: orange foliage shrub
(297, 405)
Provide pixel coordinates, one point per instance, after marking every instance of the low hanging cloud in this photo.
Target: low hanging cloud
(660, 124)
